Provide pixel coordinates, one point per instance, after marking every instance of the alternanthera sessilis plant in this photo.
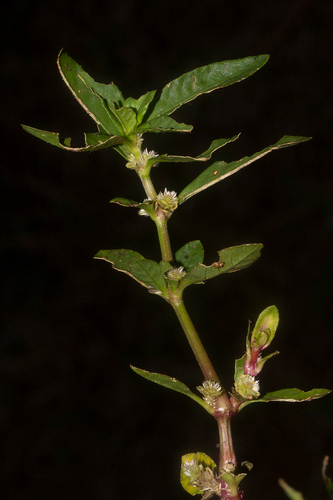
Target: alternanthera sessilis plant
(122, 124)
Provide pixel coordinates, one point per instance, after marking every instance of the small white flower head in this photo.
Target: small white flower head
(192, 469)
(176, 273)
(210, 391)
(138, 140)
(142, 211)
(139, 160)
(167, 200)
(132, 163)
(148, 155)
(201, 478)
(247, 387)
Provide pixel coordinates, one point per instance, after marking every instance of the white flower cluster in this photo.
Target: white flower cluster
(176, 273)
(247, 387)
(140, 161)
(210, 391)
(167, 200)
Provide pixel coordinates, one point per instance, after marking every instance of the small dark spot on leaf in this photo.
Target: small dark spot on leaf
(68, 67)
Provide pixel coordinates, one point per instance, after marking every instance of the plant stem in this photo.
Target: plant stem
(194, 340)
(147, 185)
(163, 236)
(227, 454)
(227, 460)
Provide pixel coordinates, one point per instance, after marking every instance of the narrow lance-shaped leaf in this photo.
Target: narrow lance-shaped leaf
(220, 170)
(173, 384)
(205, 79)
(290, 492)
(215, 145)
(289, 396)
(230, 260)
(93, 141)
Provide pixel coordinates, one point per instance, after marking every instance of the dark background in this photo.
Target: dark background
(75, 421)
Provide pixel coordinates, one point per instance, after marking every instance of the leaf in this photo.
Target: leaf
(76, 80)
(202, 80)
(289, 491)
(289, 396)
(220, 170)
(265, 328)
(190, 255)
(192, 467)
(109, 92)
(163, 124)
(215, 145)
(127, 117)
(230, 260)
(93, 141)
(173, 384)
(125, 202)
(141, 104)
(239, 367)
(147, 272)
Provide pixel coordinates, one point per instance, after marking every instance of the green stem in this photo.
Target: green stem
(227, 454)
(147, 185)
(163, 236)
(194, 340)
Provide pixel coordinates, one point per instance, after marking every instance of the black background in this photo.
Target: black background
(75, 421)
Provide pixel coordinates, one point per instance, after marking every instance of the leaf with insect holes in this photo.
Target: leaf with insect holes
(190, 255)
(220, 169)
(230, 260)
(215, 145)
(173, 384)
(93, 141)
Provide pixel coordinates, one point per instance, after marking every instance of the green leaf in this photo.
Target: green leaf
(163, 124)
(289, 491)
(220, 170)
(265, 328)
(76, 80)
(205, 79)
(127, 117)
(327, 480)
(215, 145)
(190, 255)
(109, 92)
(239, 367)
(289, 396)
(147, 272)
(93, 141)
(125, 202)
(173, 384)
(192, 467)
(230, 260)
(141, 104)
